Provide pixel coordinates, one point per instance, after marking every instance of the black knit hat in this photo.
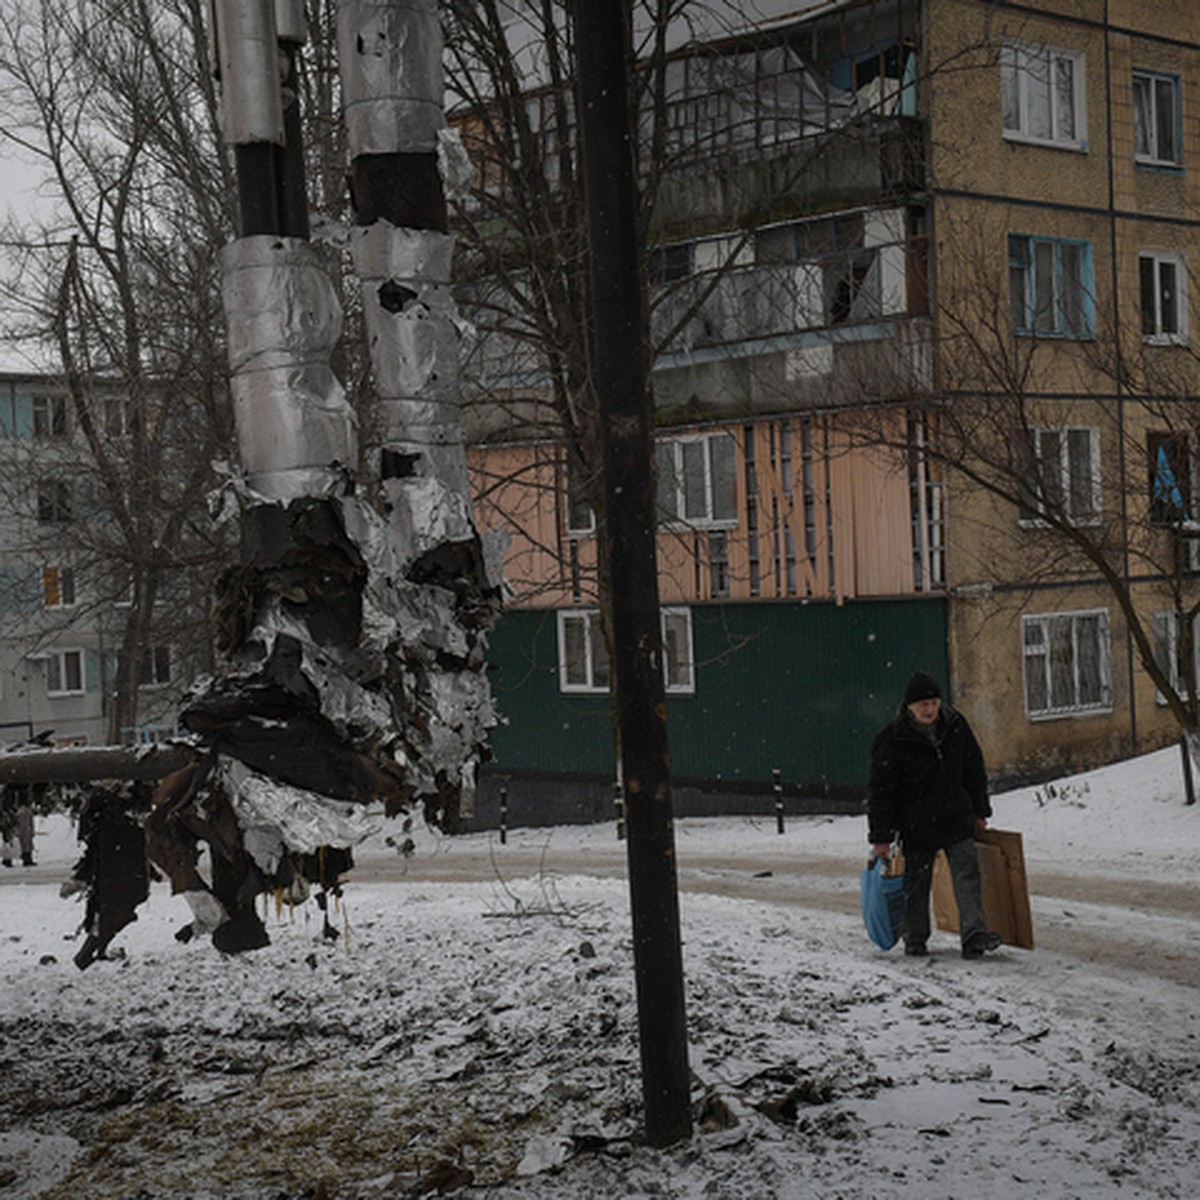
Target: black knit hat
(921, 687)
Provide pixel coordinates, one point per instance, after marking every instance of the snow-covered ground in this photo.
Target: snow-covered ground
(477, 1036)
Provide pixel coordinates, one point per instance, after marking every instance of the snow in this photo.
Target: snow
(471, 1030)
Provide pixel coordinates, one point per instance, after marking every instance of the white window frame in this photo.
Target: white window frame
(585, 680)
(1062, 476)
(1033, 650)
(1160, 259)
(1146, 88)
(49, 415)
(1034, 285)
(149, 674)
(59, 581)
(1164, 627)
(672, 494)
(679, 675)
(117, 412)
(1020, 63)
(57, 672)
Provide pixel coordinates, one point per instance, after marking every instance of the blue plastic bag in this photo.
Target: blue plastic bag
(882, 904)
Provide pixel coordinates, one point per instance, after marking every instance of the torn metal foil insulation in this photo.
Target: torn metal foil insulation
(391, 68)
(248, 64)
(278, 819)
(292, 415)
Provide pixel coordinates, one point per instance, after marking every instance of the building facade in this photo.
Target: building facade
(920, 281)
(923, 382)
(71, 581)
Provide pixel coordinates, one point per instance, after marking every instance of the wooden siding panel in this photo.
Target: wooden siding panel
(844, 507)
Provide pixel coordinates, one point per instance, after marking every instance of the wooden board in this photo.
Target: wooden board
(1004, 885)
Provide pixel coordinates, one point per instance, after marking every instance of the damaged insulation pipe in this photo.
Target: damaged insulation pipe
(355, 623)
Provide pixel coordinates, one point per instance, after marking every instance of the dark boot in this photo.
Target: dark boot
(978, 944)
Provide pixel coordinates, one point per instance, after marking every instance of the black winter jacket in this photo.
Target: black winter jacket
(928, 790)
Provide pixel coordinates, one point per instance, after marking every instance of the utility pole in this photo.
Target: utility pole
(619, 367)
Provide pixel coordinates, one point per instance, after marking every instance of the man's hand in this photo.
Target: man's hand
(980, 824)
(882, 850)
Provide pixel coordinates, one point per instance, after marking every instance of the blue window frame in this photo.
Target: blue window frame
(1050, 286)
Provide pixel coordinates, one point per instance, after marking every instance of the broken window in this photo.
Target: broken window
(1172, 477)
(835, 271)
(853, 288)
(1067, 663)
(746, 97)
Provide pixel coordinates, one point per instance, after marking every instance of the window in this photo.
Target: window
(58, 587)
(1172, 476)
(1050, 286)
(677, 650)
(1169, 652)
(581, 520)
(64, 673)
(55, 502)
(583, 664)
(1067, 664)
(1164, 297)
(1042, 93)
(582, 654)
(718, 562)
(1060, 475)
(118, 416)
(1156, 119)
(49, 416)
(696, 481)
(670, 264)
(853, 287)
(156, 666)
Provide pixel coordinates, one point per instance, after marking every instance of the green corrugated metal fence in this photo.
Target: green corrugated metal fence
(797, 686)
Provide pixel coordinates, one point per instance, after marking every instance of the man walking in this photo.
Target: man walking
(928, 786)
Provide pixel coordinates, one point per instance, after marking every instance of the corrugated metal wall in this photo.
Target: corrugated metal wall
(801, 687)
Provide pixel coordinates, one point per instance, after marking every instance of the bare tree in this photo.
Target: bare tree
(117, 281)
(736, 132)
(1091, 485)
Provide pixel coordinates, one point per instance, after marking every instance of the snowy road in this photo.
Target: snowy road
(1121, 924)
(473, 1030)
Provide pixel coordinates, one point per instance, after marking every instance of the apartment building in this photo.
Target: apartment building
(70, 582)
(921, 273)
(923, 396)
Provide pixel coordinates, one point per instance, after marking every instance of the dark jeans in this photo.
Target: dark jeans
(918, 879)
